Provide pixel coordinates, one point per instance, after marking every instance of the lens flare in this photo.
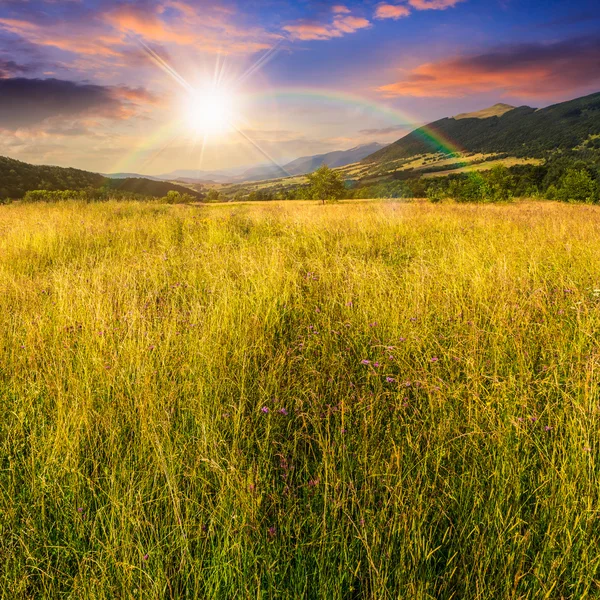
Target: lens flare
(210, 113)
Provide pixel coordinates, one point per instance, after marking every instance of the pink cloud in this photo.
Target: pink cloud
(342, 24)
(77, 41)
(350, 24)
(433, 4)
(391, 11)
(340, 9)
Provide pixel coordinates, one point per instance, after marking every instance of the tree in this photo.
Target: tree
(213, 195)
(577, 185)
(326, 184)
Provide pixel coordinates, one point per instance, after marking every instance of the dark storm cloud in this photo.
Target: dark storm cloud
(10, 67)
(29, 102)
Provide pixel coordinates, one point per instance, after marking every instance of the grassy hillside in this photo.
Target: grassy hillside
(520, 132)
(17, 178)
(292, 401)
(149, 187)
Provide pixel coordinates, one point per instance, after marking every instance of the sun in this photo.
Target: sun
(210, 112)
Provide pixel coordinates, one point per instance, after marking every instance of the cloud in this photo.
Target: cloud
(385, 130)
(103, 32)
(10, 67)
(397, 11)
(433, 4)
(530, 70)
(391, 11)
(78, 39)
(180, 23)
(26, 103)
(343, 23)
(340, 9)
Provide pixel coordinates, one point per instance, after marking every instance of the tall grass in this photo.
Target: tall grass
(293, 401)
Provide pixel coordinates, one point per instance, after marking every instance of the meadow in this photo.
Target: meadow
(378, 400)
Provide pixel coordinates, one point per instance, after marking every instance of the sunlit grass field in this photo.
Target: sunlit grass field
(285, 400)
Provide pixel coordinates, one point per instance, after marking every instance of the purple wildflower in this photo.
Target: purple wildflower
(365, 362)
(283, 411)
(376, 364)
(265, 409)
(434, 359)
(390, 380)
(145, 557)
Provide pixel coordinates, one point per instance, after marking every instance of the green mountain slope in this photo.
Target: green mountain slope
(523, 131)
(17, 178)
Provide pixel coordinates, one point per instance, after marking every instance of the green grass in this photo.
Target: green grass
(139, 345)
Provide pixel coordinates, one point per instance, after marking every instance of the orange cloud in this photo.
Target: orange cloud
(350, 24)
(531, 70)
(311, 31)
(340, 9)
(76, 42)
(212, 33)
(391, 11)
(342, 24)
(147, 24)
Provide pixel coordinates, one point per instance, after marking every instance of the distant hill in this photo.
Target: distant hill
(199, 176)
(262, 173)
(340, 158)
(17, 178)
(493, 111)
(308, 164)
(130, 176)
(522, 131)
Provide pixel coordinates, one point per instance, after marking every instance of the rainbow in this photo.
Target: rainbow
(155, 144)
(430, 135)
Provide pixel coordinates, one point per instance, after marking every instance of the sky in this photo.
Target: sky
(154, 86)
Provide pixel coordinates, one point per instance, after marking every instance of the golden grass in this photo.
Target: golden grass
(285, 400)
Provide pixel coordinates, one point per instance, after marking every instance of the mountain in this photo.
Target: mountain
(522, 131)
(493, 111)
(130, 176)
(262, 173)
(308, 164)
(17, 178)
(199, 176)
(341, 158)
